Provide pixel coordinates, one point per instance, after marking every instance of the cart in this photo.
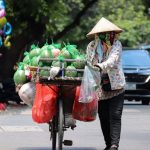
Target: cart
(57, 125)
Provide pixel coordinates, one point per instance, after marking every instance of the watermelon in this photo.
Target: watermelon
(65, 54)
(19, 77)
(70, 71)
(44, 73)
(35, 61)
(46, 46)
(79, 64)
(35, 52)
(58, 64)
(26, 59)
(46, 53)
(55, 52)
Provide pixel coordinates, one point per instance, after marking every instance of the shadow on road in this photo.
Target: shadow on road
(65, 148)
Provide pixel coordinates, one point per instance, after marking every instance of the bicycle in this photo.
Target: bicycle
(57, 125)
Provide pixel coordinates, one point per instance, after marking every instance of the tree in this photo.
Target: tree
(38, 21)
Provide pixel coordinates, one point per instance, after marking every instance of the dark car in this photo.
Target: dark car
(136, 66)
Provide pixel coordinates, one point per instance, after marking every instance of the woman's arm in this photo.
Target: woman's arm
(113, 58)
(90, 53)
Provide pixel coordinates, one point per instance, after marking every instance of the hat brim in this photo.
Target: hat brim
(93, 34)
(103, 26)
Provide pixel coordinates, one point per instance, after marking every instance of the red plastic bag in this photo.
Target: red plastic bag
(84, 111)
(44, 107)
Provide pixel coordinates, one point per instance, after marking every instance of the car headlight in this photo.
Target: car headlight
(148, 78)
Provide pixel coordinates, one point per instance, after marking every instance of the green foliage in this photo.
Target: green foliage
(56, 15)
(129, 15)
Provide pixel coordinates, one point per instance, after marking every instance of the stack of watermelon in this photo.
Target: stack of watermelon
(54, 50)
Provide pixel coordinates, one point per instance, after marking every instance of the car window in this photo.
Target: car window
(145, 47)
(135, 58)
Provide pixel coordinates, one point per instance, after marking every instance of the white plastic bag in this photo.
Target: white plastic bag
(27, 93)
(90, 82)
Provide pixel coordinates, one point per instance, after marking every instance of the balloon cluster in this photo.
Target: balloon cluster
(5, 27)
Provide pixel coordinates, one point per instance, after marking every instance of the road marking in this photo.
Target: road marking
(21, 129)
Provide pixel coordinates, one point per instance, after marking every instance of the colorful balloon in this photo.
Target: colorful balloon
(2, 4)
(7, 28)
(3, 21)
(2, 13)
(7, 42)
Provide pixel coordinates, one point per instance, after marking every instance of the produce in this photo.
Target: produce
(45, 64)
(45, 47)
(46, 53)
(44, 73)
(58, 64)
(55, 52)
(35, 61)
(70, 71)
(65, 53)
(51, 46)
(19, 77)
(79, 64)
(35, 52)
(26, 59)
(72, 50)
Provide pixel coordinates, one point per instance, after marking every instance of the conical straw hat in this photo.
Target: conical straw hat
(104, 25)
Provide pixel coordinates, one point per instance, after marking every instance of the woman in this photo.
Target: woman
(105, 54)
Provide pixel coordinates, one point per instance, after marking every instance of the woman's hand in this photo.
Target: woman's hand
(93, 66)
(97, 66)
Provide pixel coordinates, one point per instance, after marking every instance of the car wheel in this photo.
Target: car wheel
(145, 102)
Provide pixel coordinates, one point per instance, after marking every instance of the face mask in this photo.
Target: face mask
(102, 37)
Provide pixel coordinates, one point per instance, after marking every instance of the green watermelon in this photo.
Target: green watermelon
(70, 72)
(35, 52)
(58, 64)
(44, 73)
(46, 53)
(26, 59)
(19, 77)
(35, 61)
(78, 64)
(65, 54)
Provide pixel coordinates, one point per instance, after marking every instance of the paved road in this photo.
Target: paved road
(19, 132)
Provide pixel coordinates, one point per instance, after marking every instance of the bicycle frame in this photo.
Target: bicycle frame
(57, 125)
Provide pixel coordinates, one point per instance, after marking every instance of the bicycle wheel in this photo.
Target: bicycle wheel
(60, 125)
(53, 133)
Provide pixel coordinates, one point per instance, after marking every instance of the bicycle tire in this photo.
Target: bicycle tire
(54, 133)
(60, 125)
